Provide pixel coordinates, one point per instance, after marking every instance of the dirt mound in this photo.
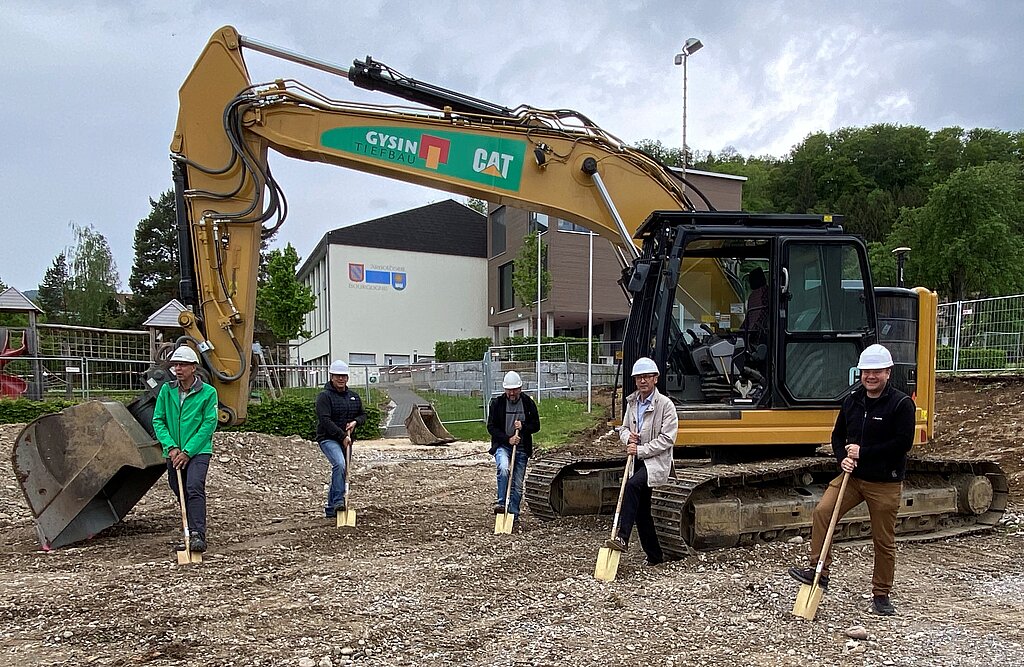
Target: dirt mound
(422, 579)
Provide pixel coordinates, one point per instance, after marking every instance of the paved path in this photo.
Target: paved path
(404, 401)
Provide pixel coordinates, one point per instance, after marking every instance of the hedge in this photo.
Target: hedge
(297, 416)
(986, 358)
(577, 347)
(286, 416)
(22, 410)
(464, 349)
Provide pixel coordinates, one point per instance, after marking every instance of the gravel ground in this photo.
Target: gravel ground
(422, 579)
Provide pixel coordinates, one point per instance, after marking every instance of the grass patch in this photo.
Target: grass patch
(561, 419)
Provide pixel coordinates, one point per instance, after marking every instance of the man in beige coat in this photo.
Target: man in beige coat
(649, 427)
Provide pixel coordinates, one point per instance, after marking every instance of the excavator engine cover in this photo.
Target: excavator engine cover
(425, 428)
(83, 469)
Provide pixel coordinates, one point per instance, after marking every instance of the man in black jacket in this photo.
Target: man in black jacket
(339, 410)
(871, 439)
(512, 419)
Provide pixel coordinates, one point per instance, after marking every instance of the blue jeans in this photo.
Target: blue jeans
(335, 453)
(501, 460)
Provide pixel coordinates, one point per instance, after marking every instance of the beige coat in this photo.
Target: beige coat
(657, 438)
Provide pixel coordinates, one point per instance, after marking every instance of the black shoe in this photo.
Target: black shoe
(499, 508)
(881, 605)
(196, 543)
(616, 544)
(805, 575)
(653, 562)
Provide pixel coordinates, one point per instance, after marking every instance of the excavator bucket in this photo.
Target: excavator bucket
(83, 469)
(425, 428)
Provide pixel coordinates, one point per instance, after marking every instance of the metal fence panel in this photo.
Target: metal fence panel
(981, 335)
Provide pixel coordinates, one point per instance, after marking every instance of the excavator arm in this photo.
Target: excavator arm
(554, 162)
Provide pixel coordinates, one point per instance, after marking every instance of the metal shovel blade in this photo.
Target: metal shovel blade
(503, 523)
(187, 557)
(346, 519)
(807, 601)
(607, 564)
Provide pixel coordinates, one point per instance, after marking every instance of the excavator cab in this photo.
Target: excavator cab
(746, 310)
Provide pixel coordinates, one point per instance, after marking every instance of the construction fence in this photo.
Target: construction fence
(981, 335)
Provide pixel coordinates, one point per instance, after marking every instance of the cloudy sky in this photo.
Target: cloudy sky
(90, 87)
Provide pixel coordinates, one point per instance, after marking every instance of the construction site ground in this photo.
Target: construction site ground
(422, 579)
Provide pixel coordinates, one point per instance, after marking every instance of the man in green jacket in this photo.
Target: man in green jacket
(184, 420)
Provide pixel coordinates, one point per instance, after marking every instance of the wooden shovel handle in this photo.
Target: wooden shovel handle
(831, 526)
(626, 474)
(184, 515)
(511, 473)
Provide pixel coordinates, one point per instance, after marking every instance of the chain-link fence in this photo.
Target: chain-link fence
(981, 335)
(72, 378)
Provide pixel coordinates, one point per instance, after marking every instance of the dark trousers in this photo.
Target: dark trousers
(194, 477)
(636, 509)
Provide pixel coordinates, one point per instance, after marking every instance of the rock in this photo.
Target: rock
(325, 662)
(348, 650)
(857, 632)
(306, 662)
(797, 539)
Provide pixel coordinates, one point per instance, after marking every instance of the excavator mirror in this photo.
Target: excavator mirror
(638, 277)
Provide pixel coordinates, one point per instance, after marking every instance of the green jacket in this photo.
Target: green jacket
(189, 424)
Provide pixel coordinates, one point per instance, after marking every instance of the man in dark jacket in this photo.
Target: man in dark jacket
(511, 420)
(871, 439)
(339, 411)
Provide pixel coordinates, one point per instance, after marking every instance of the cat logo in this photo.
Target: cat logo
(491, 163)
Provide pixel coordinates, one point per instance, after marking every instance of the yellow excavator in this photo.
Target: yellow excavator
(757, 385)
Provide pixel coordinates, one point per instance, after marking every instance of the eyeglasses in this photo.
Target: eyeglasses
(645, 376)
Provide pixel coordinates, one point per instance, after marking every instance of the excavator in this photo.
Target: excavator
(757, 383)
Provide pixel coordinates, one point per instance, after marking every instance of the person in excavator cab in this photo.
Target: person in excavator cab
(649, 427)
(339, 410)
(872, 436)
(184, 420)
(512, 419)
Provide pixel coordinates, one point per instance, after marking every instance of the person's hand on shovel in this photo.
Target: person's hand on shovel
(632, 443)
(515, 439)
(179, 459)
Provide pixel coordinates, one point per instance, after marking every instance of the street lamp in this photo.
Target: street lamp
(691, 46)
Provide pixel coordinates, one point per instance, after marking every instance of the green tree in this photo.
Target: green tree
(92, 300)
(282, 301)
(53, 291)
(478, 205)
(670, 157)
(968, 238)
(155, 271)
(524, 271)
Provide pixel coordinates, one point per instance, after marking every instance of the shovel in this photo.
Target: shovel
(503, 522)
(608, 559)
(185, 557)
(347, 518)
(809, 597)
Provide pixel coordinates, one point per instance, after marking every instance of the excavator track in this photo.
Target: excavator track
(709, 506)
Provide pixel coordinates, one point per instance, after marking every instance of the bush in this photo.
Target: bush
(464, 349)
(22, 410)
(297, 416)
(986, 358)
(577, 347)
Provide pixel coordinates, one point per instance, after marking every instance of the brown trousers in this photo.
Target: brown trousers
(883, 500)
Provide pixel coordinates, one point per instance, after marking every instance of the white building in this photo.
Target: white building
(387, 289)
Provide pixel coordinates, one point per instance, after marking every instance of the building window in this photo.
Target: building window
(505, 299)
(498, 243)
(566, 226)
(538, 222)
(362, 359)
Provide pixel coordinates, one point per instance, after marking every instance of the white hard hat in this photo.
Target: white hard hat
(185, 354)
(512, 381)
(338, 367)
(644, 365)
(874, 357)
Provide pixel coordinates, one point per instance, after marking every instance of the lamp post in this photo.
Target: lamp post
(691, 46)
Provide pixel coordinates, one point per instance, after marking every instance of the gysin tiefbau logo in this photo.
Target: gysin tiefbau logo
(492, 161)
